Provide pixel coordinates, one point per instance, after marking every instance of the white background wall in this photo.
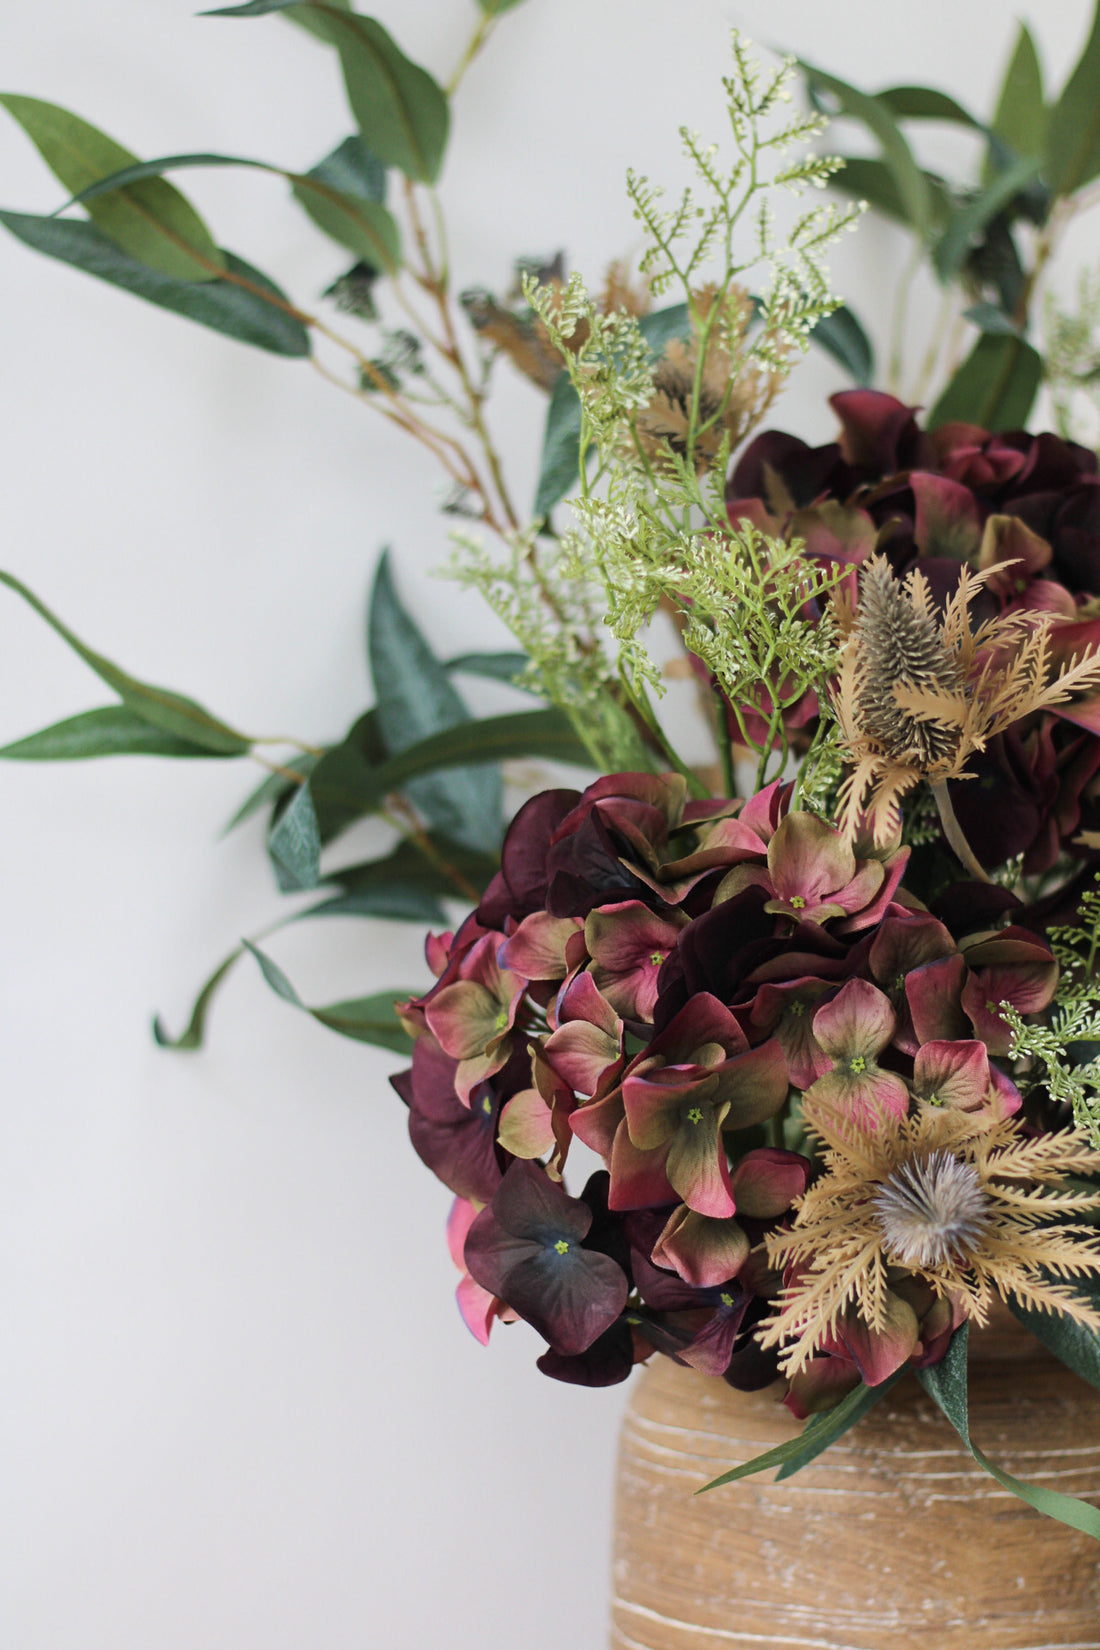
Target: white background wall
(237, 1408)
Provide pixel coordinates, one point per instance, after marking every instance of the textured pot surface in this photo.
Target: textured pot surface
(894, 1539)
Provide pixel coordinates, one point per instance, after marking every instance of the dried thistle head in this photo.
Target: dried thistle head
(918, 693)
(734, 392)
(966, 1204)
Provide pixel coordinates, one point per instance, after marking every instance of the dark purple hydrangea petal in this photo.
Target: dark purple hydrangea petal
(520, 886)
(879, 433)
(584, 870)
(527, 1248)
(970, 907)
(457, 1142)
(804, 472)
(606, 1362)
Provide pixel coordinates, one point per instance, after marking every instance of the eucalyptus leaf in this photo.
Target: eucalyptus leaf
(661, 326)
(912, 187)
(352, 217)
(192, 1035)
(994, 387)
(945, 1383)
(494, 8)
(819, 1432)
(294, 844)
(1073, 135)
(163, 709)
(366, 1019)
(273, 789)
(150, 220)
(400, 109)
(841, 336)
(415, 698)
(112, 730)
(352, 169)
(244, 304)
(431, 870)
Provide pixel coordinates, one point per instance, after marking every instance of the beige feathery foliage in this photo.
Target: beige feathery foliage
(733, 391)
(965, 1202)
(918, 694)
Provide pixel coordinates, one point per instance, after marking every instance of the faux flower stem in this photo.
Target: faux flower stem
(952, 830)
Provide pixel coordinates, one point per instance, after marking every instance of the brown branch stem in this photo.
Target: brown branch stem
(952, 830)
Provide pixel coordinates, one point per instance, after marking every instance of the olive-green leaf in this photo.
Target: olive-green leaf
(945, 1383)
(400, 110)
(112, 730)
(819, 1432)
(242, 303)
(494, 8)
(995, 387)
(925, 103)
(1020, 118)
(910, 181)
(366, 1019)
(1073, 136)
(150, 220)
(353, 216)
(353, 170)
(274, 789)
(170, 712)
(966, 226)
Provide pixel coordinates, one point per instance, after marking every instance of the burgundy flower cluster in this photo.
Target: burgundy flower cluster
(1025, 508)
(663, 980)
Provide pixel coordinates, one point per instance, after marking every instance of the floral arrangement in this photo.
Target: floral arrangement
(824, 1008)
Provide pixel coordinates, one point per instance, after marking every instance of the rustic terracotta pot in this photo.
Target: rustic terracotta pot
(894, 1539)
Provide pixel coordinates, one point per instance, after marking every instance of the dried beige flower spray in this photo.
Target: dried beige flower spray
(966, 1203)
(918, 694)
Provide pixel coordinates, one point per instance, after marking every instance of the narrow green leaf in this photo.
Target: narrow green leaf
(366, 1019)
(400, 110)
(364, 227)
(495, 667)
(112, 730)
(559, 465)
(1020, 119)
(945, 1383)
(966, 226)
(416, 698)
(243, 303)
(151, 220)
(864, 178)
(294, 844)
(819, 1432)
(925, 103)
(1073, 136)
(991, 319)
(841, 336)
(910, 181)
(191, 1037)
(353, 170)
(353, 216)
(494, 8)
(1077, 1346)
(994, 387)
(406, 876)
(168, 711)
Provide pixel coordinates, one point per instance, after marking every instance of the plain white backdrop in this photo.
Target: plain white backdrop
(238, 1410)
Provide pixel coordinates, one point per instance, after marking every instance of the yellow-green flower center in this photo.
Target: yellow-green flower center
(695, 1115)
(858, 1066)
(561, 1247)
(797, 902)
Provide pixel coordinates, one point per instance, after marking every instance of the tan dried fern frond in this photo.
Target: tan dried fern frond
(1001, 1188)
(918, 694)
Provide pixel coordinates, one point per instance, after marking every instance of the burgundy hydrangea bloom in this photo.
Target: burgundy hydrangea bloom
(668, 983)
(1024, 508)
